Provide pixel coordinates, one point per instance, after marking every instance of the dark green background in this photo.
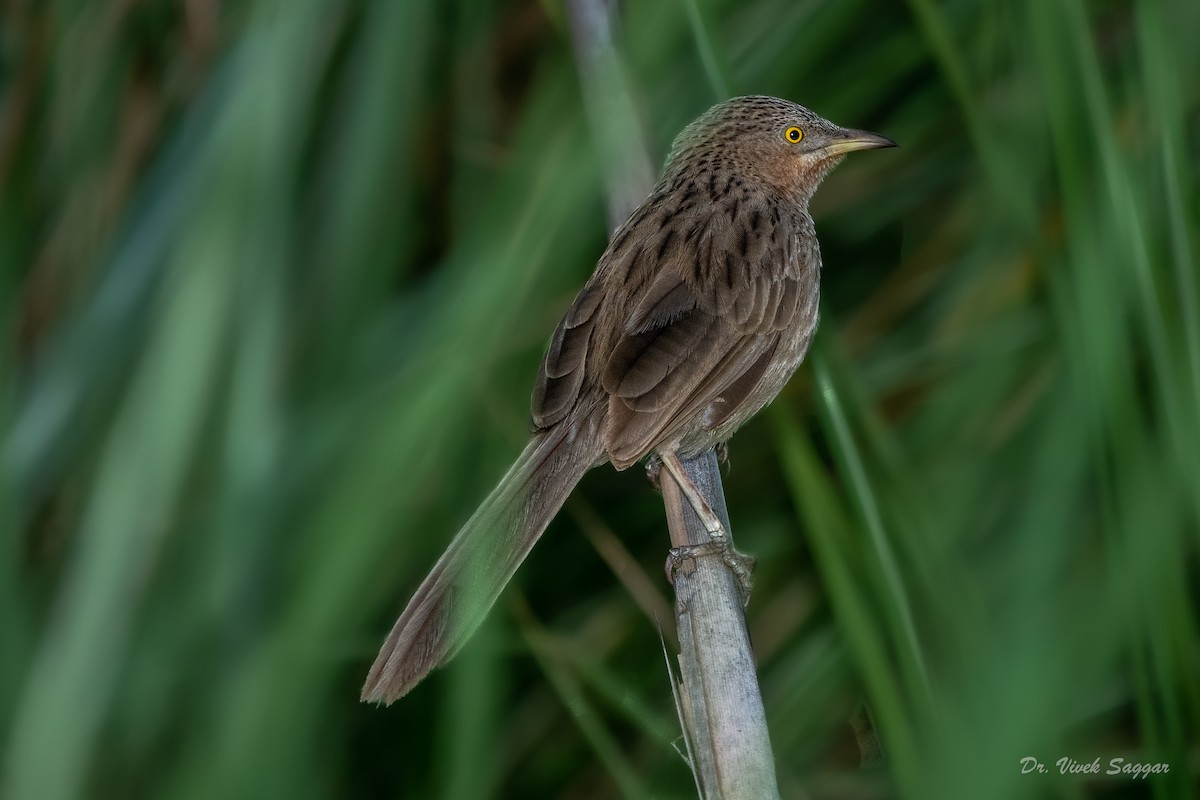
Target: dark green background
(276, 275)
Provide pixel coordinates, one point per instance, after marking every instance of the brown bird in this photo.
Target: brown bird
(698, 312)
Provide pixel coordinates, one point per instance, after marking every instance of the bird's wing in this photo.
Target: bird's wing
(566, 363)
(703, 332)
(562, 370)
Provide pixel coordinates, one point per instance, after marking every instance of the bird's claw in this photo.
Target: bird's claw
(722, 451)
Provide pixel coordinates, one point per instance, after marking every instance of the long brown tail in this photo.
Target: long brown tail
(468, 578)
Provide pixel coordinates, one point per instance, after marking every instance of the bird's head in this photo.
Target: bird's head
(776, 141)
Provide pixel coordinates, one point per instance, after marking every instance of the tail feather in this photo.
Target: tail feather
(466, 581)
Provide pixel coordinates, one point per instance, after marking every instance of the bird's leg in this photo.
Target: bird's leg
(708, 517)
(740, 564)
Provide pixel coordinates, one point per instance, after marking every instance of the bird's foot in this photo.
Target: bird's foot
(654, 467)
(682, 559)
(742, 567)
(722, 451)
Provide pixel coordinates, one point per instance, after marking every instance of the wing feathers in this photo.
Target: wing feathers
(707, 297)
(564, 366)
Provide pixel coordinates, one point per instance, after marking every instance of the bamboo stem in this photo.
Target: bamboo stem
(720, 702)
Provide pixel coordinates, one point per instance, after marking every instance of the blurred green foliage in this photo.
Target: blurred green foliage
(276, 276)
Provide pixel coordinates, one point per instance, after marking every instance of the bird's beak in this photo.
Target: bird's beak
(849, 140)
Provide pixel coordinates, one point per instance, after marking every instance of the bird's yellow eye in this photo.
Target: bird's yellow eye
(793, 134)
